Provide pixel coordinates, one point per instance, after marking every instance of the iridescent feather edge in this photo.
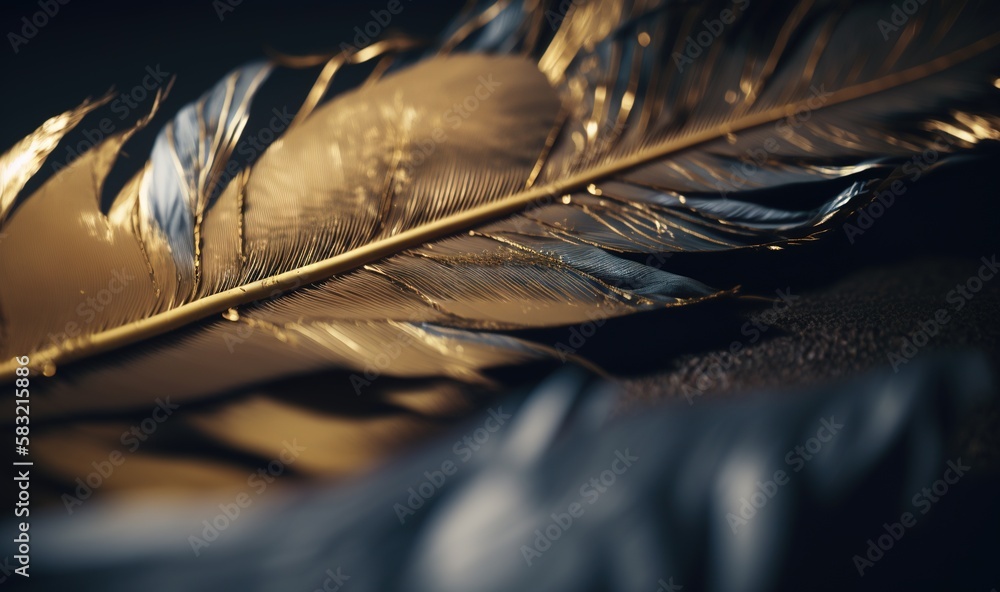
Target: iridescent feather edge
(386, 215)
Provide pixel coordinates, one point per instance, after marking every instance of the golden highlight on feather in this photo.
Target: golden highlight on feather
(23, 160)
(472, 193)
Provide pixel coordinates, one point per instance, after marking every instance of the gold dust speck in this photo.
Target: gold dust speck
(682, 199)
(731, 138)
(644, 39)
(594, 189)
(49, 369)
(731, 96)
(996, 83)
(231, 315)
(566, 199)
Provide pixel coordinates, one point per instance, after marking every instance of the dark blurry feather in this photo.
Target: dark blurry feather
(663, 518)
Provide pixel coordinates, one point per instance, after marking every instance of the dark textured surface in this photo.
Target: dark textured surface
(847, 328)
(837, 332)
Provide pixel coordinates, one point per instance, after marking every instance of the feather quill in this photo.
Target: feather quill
(466, 192)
